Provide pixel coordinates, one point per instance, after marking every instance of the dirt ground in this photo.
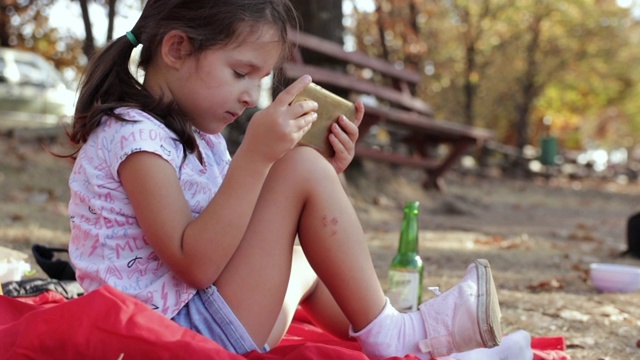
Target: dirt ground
(540, 237)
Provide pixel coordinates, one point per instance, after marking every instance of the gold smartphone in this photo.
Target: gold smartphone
(330, 107)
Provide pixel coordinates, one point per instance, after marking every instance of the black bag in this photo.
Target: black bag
(59, 269)
(633, 237)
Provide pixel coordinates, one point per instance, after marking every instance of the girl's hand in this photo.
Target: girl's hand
(277, 128)
(343, 137)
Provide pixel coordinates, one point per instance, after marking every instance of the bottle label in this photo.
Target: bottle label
(403, 289)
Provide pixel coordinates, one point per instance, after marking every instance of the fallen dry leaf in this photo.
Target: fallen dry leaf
(546, 285)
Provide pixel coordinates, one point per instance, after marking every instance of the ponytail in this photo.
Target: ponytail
(105, 84)
(108, 84)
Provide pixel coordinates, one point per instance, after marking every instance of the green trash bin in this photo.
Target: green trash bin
(549, 150)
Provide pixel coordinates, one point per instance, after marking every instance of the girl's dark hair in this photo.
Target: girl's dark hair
(108, 84)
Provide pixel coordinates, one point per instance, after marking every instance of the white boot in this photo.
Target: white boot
(465, 317)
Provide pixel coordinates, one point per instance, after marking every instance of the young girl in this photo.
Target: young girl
(160, 211)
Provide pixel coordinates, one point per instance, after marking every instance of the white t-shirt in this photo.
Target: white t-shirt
(107, 245)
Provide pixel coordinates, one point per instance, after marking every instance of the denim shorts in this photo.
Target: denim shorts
(208, 314)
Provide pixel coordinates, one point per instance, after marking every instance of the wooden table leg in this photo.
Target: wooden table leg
(434, 175)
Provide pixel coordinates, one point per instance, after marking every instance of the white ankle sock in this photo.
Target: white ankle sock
(393, 333)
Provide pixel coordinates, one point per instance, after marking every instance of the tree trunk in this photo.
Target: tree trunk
(529, 91)
(381, 30)
(111, 20)
(4, 26)
(89, 43)
(322, 18)
(528, 87)
(470, 84)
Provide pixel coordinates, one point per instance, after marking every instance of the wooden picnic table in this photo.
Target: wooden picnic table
(395, 107)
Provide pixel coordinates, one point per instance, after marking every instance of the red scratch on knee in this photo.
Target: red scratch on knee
(330, 222)
(326, 221)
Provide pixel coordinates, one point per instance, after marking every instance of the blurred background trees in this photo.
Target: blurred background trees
(510, 64)
(25, 24)
(523, 68)
(63, 31)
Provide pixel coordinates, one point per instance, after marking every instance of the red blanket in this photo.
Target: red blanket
(106, 324)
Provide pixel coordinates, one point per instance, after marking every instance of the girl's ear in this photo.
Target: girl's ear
(176, 48)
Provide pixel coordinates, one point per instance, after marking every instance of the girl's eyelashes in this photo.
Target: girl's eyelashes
(239, 74)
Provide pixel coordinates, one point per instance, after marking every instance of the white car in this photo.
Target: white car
(33, 93)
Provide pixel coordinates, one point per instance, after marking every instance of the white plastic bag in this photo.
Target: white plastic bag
(515, 346)
(13, 271)
(13, 265)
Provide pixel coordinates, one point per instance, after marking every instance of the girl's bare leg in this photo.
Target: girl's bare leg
(302, 195)
(306, 290)
(325, 312)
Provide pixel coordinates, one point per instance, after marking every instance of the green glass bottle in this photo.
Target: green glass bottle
(407, 270)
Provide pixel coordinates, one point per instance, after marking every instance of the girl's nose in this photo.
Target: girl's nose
(249, 97)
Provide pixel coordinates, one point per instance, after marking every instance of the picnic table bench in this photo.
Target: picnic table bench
(395, 106)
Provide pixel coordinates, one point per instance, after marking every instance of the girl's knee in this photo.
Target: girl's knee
(304, 161)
